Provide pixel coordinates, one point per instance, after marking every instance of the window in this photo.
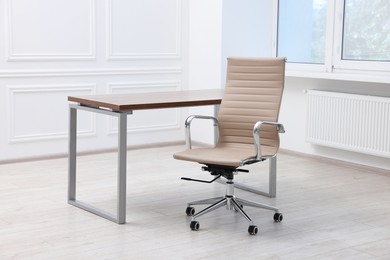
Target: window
(334, 35)
(366, 30)
(302, 30)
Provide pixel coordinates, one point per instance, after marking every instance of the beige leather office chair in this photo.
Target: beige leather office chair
(248, 131)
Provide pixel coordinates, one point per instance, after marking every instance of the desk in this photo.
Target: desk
(121, 105)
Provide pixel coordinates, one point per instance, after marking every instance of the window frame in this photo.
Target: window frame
(334, 66)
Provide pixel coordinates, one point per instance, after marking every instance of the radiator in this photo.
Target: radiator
(351, 122)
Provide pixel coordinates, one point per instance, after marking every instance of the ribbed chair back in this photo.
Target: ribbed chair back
(253, 92)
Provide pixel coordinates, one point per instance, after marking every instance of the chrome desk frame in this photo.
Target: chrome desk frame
(120, 217)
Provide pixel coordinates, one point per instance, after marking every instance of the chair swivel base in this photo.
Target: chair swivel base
(231, 202)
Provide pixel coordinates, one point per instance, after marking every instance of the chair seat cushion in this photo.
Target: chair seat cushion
(222, 154)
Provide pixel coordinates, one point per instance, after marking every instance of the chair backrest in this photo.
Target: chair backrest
(253, 92)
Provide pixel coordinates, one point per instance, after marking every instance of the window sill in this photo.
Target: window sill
(359, 76)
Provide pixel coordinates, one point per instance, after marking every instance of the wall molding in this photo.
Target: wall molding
(87, 72)
(111, 86)
(13, 137)
(91, 152)
(111, 55)
(14, 56)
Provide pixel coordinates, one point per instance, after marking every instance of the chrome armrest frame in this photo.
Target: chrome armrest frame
(188, 127)
(256, 135)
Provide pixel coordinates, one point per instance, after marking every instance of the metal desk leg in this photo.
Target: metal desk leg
(272, 177)
(122, 151)
(72, 154)
(216, 131)
(272, 182)
(120, 217)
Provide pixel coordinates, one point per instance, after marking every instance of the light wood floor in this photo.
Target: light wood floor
(330, 211)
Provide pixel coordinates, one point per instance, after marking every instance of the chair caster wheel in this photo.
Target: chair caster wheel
(194, 225)
(252, 230)
(190, 211)
(278, 217)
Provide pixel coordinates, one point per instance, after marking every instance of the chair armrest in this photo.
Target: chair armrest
(188, 126)
(256, 134)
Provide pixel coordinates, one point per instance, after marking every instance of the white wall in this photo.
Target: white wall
(247, 29)
(204, 58)
(205, 43)
(52, 49)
